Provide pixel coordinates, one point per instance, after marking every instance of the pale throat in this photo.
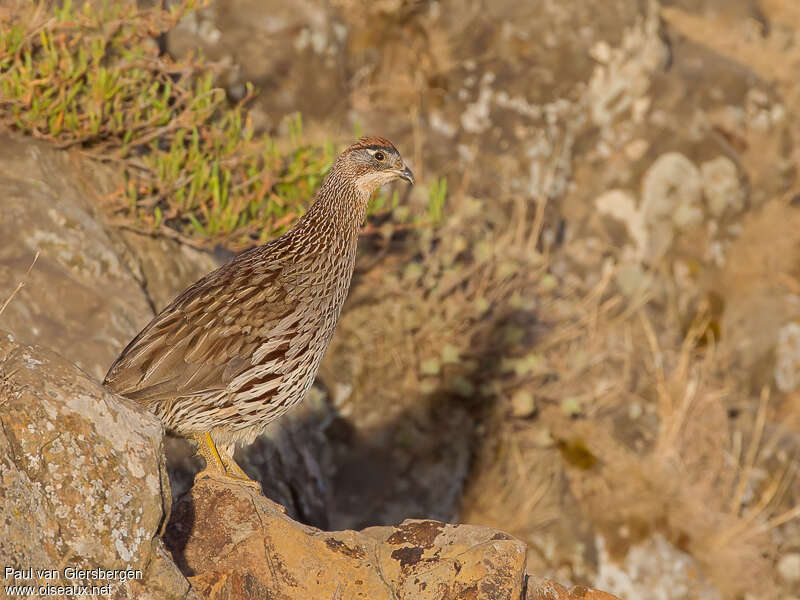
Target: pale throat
(369, 182)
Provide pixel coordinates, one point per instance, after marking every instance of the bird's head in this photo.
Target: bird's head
(373, 162)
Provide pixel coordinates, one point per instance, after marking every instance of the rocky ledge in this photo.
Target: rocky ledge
(85, 487)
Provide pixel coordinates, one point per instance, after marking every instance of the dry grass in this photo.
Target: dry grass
(634, 408)
(708, 483)
(20, 285)
(5, 378)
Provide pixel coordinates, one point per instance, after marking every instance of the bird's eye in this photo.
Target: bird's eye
(379, 156)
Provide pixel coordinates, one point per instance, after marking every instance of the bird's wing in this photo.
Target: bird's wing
(206, 336)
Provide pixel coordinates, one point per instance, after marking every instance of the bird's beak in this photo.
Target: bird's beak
(404, 173)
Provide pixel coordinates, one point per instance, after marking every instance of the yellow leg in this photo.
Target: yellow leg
(217, 466)
(212, 448)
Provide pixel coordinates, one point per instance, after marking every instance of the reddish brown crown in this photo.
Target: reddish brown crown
(373, 142)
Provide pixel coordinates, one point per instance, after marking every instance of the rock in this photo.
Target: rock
(523, 404)
(233, 543)
(93, 287)
(671, 201)
(789, 567)
(621, 206)
(721, 186)
(84, 482)
(238, 544)
(671, 189)
(539, 589)
(81, 298)
(654, 570)
(167, 267)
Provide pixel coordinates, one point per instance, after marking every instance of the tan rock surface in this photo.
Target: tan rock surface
(541, 589)
(233, 543)
(167, 267)
(83, 477)
(81, 298)
(93, 287)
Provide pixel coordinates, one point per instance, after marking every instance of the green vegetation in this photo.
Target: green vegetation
(436, 198)
(192, 163)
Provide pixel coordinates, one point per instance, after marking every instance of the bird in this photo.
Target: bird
(241, 346)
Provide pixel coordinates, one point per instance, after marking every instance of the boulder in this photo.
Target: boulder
(233, 543)
(542, 589)
(81, 298)
(93, 286)
(84, 483)
(166, 267)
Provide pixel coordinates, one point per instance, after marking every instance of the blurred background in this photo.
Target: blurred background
(581, 326)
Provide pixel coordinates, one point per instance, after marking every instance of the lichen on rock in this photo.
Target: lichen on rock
(83, 474)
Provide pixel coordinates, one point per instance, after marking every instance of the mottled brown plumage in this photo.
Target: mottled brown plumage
(241, 346)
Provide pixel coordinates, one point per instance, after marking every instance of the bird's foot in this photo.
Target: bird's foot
(218, 467)
(225, 477)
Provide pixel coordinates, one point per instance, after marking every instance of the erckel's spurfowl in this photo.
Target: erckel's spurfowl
(242, 345)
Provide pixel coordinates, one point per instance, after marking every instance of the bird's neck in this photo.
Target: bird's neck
(339, 209)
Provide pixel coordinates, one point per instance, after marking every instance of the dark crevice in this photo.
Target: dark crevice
(139, 277)
(298, 505)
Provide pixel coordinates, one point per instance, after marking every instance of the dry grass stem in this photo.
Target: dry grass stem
(21, 284)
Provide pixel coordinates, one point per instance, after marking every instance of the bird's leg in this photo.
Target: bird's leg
(235, 471)
(217, 466)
